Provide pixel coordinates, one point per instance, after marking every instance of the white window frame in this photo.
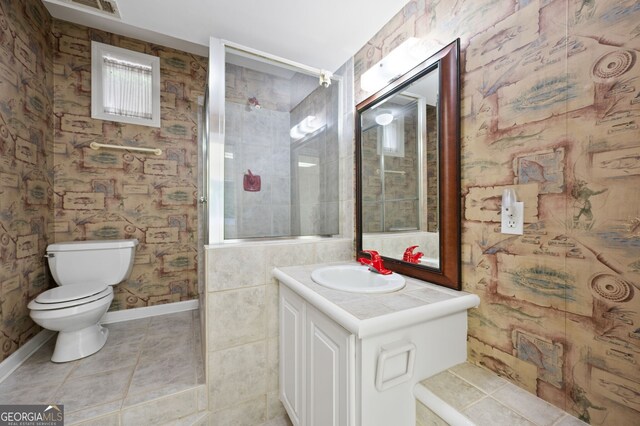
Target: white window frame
(98, 52)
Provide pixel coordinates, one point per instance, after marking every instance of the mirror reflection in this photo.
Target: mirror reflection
(399, 157)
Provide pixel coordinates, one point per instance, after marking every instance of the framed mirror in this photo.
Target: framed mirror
(408, 171)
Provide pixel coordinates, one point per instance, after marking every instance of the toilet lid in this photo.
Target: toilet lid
(70, 295)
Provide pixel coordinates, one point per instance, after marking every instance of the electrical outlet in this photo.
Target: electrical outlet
(514, 223)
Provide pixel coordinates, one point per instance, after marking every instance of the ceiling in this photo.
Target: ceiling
(318, 34)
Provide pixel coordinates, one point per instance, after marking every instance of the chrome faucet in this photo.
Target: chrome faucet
(375, 263)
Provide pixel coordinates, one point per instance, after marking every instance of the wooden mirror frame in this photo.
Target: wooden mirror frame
(449, 209)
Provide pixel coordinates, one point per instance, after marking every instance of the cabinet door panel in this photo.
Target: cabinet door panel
(291, 347)
(327, 382)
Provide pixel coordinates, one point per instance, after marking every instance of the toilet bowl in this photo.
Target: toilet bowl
(85, 272)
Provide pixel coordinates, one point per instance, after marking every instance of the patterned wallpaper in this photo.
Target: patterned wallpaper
(26, 166)
(110, 194)
(551, 104)
(53, 187)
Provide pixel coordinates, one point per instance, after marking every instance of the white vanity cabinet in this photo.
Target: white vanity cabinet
(353, 360)
(316, 362)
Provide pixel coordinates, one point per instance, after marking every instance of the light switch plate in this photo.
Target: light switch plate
(515, 224)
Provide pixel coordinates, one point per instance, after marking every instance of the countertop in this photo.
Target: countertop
(370, 314)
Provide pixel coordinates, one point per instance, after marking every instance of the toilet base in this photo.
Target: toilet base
(72, 345)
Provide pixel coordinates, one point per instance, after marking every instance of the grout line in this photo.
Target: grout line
(557, 422)
(477, 386)
(135, 366)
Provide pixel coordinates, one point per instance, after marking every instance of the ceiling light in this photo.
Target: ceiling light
(307, 126)
(384, 118)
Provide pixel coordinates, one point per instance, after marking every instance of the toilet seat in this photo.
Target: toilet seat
(69, 296)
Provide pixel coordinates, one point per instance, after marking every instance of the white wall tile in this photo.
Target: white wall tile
(236, 317)
(237, 374)
(235, 266)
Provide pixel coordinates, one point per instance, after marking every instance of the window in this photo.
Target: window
(391, 138)
(125, 85)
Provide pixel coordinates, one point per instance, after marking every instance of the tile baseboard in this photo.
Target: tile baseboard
(23, 353)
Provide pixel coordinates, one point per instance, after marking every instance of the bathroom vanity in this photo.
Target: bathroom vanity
(354, 359)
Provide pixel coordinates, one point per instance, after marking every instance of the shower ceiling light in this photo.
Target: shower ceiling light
(397, 62)
(295, 133)
(305, 164)
(384, 118)
(307, 126)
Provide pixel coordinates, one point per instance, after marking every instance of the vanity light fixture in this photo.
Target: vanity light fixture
(307, 126)
(397, 62)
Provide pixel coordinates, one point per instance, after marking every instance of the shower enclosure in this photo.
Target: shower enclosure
(273, 147)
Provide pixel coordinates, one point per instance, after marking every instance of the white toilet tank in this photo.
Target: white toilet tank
(81, 262)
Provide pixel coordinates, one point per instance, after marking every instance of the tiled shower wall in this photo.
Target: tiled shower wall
(257, 140)
(110, 194)
(549, 103)
(26, 165)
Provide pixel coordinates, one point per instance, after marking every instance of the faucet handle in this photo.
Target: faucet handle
(374, 254)
(410, 256)
(376, 263)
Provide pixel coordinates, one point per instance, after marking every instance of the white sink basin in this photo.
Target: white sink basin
(357, 279)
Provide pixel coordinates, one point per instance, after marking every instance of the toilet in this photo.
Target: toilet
(85, 272)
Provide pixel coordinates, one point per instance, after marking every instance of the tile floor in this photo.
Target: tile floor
(489, 400)
(143, 360)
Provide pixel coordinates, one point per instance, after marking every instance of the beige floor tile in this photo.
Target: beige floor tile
(96, 415)
(162, 372)
(528, 405)
(111, 357)
(248, 413)
(108, 420)
(162, 410)
(39, 369)
(26, 393)
(83, 392)
(452, 389)
(139, 362)
(489, 412)
(477, 376)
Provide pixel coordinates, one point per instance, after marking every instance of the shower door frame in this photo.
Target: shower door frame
(215, 136)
